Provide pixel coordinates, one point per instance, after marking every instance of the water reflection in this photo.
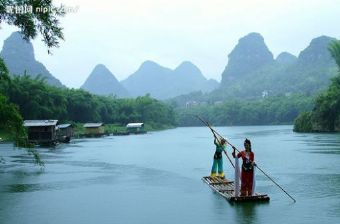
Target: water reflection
(61, 185)
(156, 179)
(317, 185)
(265, 133)
(246, 212)
(322, 144)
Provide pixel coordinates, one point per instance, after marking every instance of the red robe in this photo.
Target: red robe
(247, 176)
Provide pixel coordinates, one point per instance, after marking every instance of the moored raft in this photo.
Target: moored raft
(226, 189)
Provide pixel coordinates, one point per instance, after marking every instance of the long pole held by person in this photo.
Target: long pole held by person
(217, 138)
(220, 136)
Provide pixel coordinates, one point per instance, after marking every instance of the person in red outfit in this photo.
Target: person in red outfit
(247, 174)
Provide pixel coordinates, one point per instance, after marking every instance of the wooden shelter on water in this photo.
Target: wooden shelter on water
(42, 132)
(94, 129)
(135, 128)
(226, 189)
(65, 132)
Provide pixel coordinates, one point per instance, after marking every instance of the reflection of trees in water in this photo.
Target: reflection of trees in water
(246, 213)
(219, 204)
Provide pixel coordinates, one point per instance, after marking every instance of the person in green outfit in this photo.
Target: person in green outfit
(217, 167)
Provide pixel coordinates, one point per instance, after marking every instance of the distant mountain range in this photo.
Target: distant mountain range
(162, 83)
(150, 78)
(102, 82)
(18, 55)
(251, 72)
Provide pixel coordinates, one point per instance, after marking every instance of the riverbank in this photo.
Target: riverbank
(79, 130)
(117, 129)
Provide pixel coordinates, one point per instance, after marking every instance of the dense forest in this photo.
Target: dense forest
(37, 100)
(269, 110)
(325, 116)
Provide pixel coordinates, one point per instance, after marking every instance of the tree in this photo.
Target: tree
(10, 118)
(33, 17)
(12, 122)
(326, 113)
(4, 74)
(303, 123)
(25, 15)
(327, 108)
(334, 48)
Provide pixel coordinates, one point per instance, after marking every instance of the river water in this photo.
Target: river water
(156, 178)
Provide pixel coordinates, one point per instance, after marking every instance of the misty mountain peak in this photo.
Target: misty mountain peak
(18, 55)
(251, 38)
(317, 52)
(286, 58)
(16, 46)
(102, 82)
(163, 83)
(249, 54)
(321, 40)
(149, 66)
(251, 45)
(187, 66)
(101, 69)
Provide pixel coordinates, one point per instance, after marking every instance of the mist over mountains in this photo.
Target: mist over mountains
(286, 58)
(18, 55)
(102, 82)
(162, 83)
(251, 72)
(150, 78)
(248, 55)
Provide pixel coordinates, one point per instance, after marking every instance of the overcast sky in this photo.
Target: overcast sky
(124, 33)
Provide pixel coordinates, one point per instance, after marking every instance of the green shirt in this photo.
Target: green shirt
(219, 148)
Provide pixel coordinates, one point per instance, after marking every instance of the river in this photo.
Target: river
(156, 178)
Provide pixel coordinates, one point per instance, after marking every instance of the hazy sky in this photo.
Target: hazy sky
(124, 33)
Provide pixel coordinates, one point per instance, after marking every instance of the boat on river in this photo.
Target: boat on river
(226, 189)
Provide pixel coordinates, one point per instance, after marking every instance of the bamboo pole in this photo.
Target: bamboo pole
(216, 133)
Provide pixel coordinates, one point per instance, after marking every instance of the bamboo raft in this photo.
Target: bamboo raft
(225, 188)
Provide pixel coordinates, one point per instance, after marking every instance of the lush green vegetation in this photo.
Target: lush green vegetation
(10, 118)
(11, 122)
(271, 110)
(24, 98)
(325, 117)
(30, 24)
(37, 100)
